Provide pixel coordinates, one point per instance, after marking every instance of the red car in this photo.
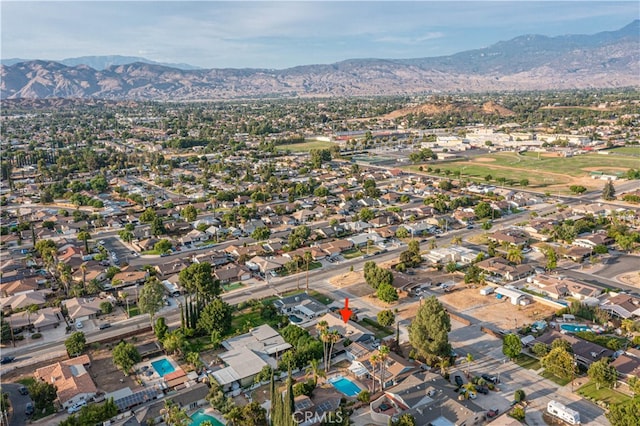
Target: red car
(492, 413)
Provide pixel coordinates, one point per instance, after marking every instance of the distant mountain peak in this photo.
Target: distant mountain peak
(527, 62)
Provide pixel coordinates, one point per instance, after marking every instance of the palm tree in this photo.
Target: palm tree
(515, 255)
(31, 309)
(297, 259)
(331, 337)
(457, 240)
(314, 369)
(444, 363)
(469, 387)
(84, 236)
(65, 275)
(322, 327)
(433, 244)
(83, 269)
(308, 258)
(469, 360)
(173, 415)
(373, 359)
(383, 354)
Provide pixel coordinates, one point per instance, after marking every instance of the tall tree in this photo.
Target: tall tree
(559, 362)
(608, 192)
(151, 298)
(76, 343)
(515, 255)
(602, 373)
(125, 356)
(85, 237)
(428, 333)
(511, 346)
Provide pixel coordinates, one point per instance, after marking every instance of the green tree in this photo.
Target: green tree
(216, 316)
(608, 192)
(402, 232)
(451, 267)
(624, 413)
(577, 189)
(43, 394)
(174, 342)
(189, 213)
(515, 255)
(511, 346)
(84, 236)
(161, 328)
(404, 420)
(76, 343)
(519, 395)
(148, 216)
(552, 259)
(162, 246)
(559, 362)
(126, 236)
(125, 356)
(602, 373)
(375, 276)
(151, 298)
(387, 293)
(429, 332)
(261, 233)
(106, 307)
(386, 318)
(174, 415)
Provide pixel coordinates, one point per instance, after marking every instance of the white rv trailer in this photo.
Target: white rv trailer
(563, 412)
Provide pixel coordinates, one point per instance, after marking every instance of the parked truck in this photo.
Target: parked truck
(563, 412)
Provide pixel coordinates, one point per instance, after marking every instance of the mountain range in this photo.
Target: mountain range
(530, 62)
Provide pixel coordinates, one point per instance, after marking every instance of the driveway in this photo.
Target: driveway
(18, 402)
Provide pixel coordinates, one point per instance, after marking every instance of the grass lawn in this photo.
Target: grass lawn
(605, 394)
(306, 146)
(352, 253)
(557, 380)
(540, 171)
(249, 319)
(379, 331)
(27, 381)
(232, 286)
(526, 361)
(627, 150)
(151, 252)
(322, 298)
(133, 311)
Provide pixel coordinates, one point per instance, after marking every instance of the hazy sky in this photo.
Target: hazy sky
(267, 34)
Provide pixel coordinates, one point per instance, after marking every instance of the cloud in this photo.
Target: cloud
(410, 40)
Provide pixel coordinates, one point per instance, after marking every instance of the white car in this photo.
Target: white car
(77, 407)
(101, 242)
(79, 324)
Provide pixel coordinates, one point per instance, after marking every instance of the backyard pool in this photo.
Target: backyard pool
(345, 386)
(199, 417)
(574, 328)
(294, 319)
(163, 367)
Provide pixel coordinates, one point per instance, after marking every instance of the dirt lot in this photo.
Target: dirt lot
(105, 374)
(347, 279)
(500, 312)
(631, 278)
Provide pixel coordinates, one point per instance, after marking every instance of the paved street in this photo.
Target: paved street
(487, 352)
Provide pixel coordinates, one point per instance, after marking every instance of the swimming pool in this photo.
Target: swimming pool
(199, 417)
(574, 328)
(163, 367)
(294, 319)
(345, 386)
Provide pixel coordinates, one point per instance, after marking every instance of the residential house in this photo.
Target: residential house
(500, 267)
(559, 287)
(71, 378)
(22, 300)
(590, 241)
(512, 237)
(128, 278)
(585, 353)
(166, 269)
(189, 398)
(429, 399)
(628, 365)
(622, 305)
(302, 305)
(232, 273)
(247, 354)
(81, 308)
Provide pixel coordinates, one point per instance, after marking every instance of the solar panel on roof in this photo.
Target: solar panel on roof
(303, 404)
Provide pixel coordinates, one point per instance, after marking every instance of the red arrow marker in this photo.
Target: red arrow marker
(346, 312)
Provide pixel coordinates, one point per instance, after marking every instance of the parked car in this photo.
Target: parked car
(482, 389)
(458, 380)
(7, 359)
(29, 409)
(489, 378)
(104, 325)
(79, 324)
(77, 407)
(22, 390)
(492, 413)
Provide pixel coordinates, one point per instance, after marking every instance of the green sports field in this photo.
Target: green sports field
(541, 169)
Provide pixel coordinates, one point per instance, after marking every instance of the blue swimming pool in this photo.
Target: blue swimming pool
(345, 386)
(163, 367)
(574, 328)
(199, 417)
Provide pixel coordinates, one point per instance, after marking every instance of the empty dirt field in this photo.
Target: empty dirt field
(499, 312)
